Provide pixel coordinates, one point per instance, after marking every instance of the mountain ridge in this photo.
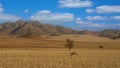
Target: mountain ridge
(22, 28)
(29, 29)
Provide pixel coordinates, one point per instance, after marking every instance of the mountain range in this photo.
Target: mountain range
(32, 29)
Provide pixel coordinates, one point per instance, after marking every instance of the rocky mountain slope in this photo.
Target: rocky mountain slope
(36, 29)
(32, 28)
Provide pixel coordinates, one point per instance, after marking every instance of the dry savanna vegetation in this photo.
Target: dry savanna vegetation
(59, 58)
(50, 52)
(80, 41)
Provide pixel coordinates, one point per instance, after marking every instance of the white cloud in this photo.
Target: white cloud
(118, 24)
(46, 16)
(44, 12)
(1, 8)
(108, 9)
(105, 9)
(79, 21)
(96, 18)
(94, 26)
(116, 17)
(26, 11)
(75, 3)
(87, 24)
(90, 10)
(8, 17)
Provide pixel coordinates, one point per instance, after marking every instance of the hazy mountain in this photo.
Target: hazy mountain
(109, 33)
(113, 34)
(32, 28)
(29, 29)
(86, 32)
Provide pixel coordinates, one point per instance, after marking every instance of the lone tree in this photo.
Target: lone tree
(69, 44)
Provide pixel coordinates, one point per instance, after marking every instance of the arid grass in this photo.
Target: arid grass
(59, 58)
(81, 41)
(50, 52)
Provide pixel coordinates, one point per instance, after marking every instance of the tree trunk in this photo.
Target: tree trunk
(69, 49)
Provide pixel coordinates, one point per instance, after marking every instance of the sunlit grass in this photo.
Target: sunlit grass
(59, 58)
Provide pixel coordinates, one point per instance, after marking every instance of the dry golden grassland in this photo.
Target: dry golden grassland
(50, 52)
(81, 41)
(59, 58)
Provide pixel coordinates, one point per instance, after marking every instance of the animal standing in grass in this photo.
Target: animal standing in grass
(69, 44)
(101, 47)
(73, 54)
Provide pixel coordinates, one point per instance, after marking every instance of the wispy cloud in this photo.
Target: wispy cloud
(75, 3)
(95, 26)
(26, 11)
(90, 10)
(105, 9)
(46, 16)
(8, 18)
(95, 18)
(1, 8)
(116, 17)
(87, 24)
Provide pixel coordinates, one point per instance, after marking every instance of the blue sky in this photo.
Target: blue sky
(77, 14)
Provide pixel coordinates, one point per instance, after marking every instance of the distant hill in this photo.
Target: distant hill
(113, 34)
(34, 29)
(109, 33)
(86, 32)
